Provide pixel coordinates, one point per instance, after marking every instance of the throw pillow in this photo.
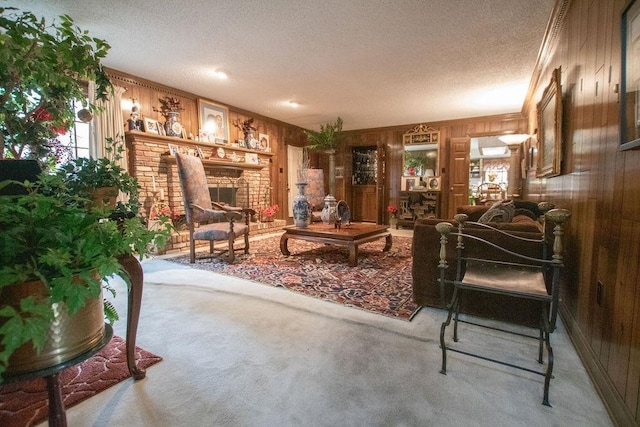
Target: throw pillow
(499, 212)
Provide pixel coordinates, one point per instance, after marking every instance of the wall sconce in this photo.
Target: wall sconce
(514, 138)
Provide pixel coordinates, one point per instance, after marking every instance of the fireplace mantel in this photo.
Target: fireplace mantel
(209, 150)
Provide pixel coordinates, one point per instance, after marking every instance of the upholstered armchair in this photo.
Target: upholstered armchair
(230, 222)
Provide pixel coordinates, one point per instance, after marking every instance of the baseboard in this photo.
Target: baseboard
(618, 410)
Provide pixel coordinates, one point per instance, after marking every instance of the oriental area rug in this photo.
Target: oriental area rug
(381, 282)
(25, 403)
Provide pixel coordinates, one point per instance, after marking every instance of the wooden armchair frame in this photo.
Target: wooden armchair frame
(208, 220)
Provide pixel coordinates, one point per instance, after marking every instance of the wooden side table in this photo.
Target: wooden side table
(57, 413)
(133, 268)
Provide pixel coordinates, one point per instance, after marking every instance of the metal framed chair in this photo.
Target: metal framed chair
(200, 211)
(506, 272)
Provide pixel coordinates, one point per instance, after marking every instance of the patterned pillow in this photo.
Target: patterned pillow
(500, 212)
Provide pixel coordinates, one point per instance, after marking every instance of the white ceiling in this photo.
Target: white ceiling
(372, 62)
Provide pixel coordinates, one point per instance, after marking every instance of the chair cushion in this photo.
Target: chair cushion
(218, 231)
(515, 280)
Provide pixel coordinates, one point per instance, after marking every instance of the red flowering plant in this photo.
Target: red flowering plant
(267, 213)
(392, 210)
(161, 211)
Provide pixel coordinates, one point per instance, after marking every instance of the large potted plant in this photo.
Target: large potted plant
(327, 139)
(57, 248)
(101, 180)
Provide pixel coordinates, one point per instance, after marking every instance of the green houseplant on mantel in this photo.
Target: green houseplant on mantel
(327, 139)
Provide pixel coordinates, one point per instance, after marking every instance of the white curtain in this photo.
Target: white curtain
(108, 123)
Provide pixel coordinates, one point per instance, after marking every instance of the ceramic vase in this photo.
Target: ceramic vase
(172, 127)
(301, 207)
(329, 214)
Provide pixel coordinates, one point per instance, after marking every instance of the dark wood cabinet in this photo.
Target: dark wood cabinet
(364, 203)
(416, 205)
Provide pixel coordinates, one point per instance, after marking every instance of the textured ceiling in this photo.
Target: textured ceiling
(373, 62)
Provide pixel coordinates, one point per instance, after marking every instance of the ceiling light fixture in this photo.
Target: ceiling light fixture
(294, 104)
(494, 151)
(220, 74)
(514, 138)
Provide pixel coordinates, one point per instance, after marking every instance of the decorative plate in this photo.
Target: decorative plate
(344, 213)
(220, 152)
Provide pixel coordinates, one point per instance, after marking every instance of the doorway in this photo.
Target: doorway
(489, 164)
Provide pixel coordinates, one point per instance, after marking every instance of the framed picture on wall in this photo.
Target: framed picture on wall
(550, 129)
(213, 122)
(630, 77)
(263, 142)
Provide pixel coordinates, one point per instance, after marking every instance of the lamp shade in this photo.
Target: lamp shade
(514, 138)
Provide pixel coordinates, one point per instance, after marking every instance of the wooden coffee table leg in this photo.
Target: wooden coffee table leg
(387, 246)
(353, 255)
(283, 245)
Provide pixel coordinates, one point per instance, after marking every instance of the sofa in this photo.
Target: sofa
(525, 222)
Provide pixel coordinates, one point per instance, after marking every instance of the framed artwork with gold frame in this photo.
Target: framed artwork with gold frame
(550, 129)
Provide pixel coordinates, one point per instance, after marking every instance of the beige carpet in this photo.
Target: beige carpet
(237, 353)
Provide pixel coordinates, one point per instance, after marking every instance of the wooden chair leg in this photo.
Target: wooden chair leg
(246, 242)
(192, 248)
(231, 251)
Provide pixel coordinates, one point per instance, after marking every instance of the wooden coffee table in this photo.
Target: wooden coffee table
(350, 236)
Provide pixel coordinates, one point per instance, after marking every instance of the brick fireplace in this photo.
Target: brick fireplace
(245, 184)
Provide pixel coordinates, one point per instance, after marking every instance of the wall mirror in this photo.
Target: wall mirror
(421, 158)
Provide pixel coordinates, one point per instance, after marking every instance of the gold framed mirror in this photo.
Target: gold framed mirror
(421, 156)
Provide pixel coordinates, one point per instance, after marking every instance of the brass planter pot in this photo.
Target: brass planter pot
(68, 336)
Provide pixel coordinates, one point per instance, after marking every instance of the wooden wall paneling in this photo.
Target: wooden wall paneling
(630, 193)
(601, 27)
(588, 269)
(601, 306)
(626, 284)
(632, 393)
(602, 187)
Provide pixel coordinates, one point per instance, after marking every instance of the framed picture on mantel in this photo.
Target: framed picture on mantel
(213, 121)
